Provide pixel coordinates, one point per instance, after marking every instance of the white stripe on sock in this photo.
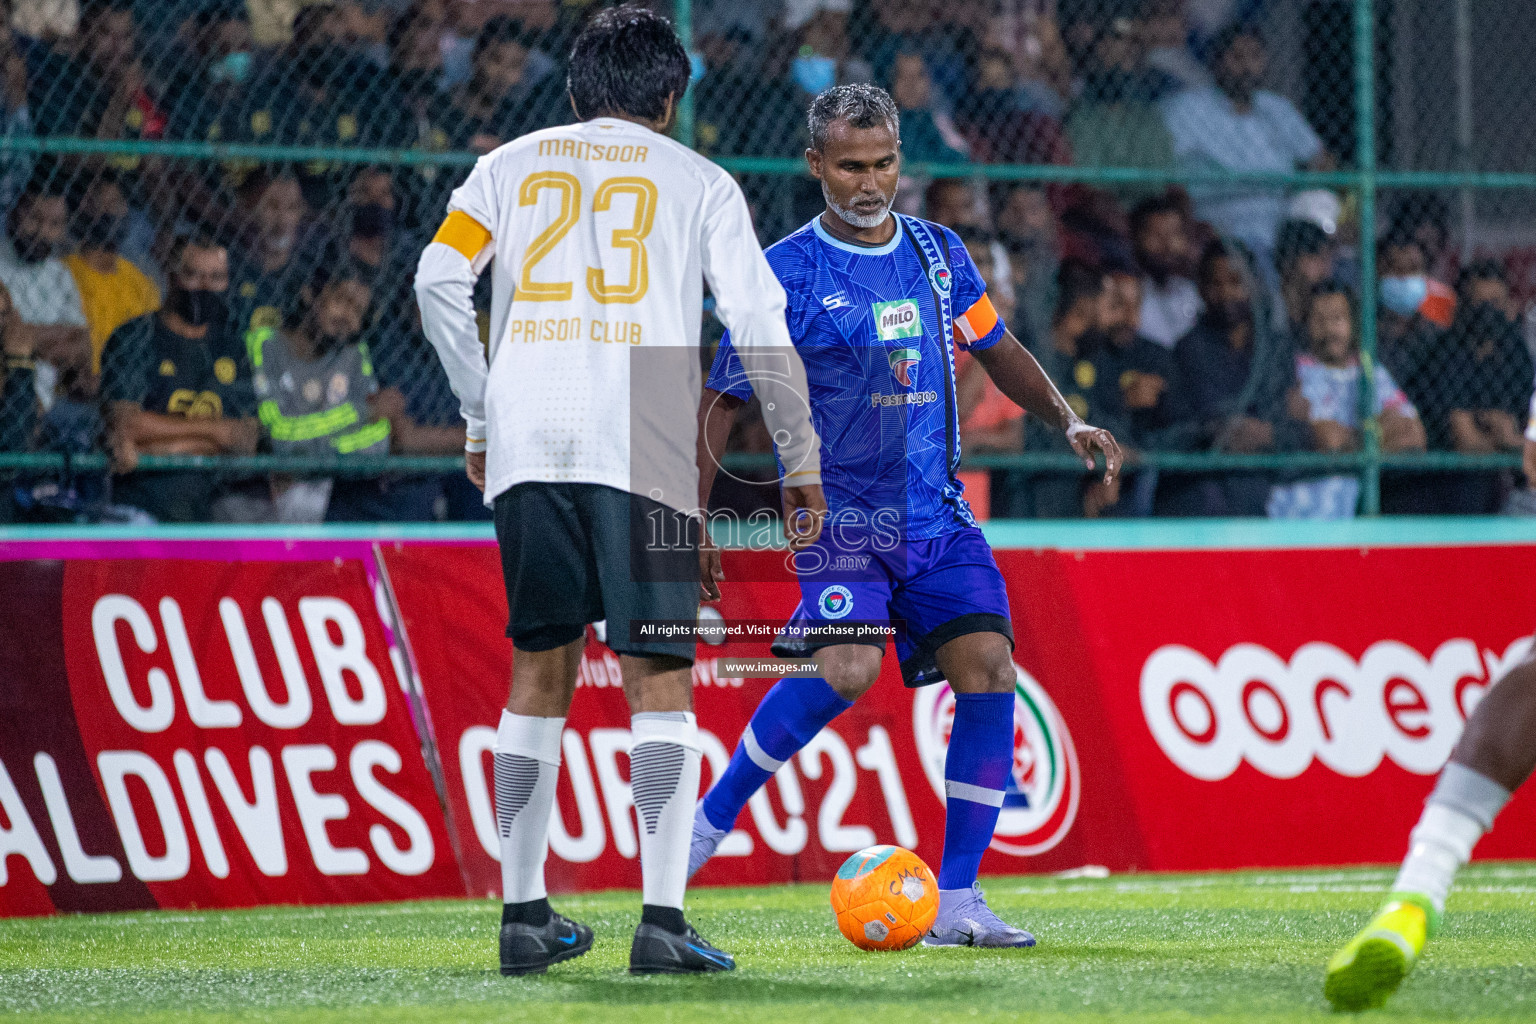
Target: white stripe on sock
(758, 755)
(975, 794)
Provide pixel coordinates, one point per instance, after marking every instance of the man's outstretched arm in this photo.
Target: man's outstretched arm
(1019, 375)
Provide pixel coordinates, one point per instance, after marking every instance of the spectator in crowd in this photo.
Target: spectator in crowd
(735, 81)
(962, 208)
(1026, 226)
(177, 382)
(1482, 380)
(1082, 310)
(106, 93)
(513, 89)
(379, 254)
(823, 58)
(44, 295)
(1004, 122)
(423, 413)
(923, 28)
(1135, 376)
(285, 246)
(18, 397)
(1165, 34)
(1407, 340)
(1482, 283)
(927, 134)
(1042, 69)
(112, 290)
(321, 92)
(1117, 122)
(406, 112)
(212, 99)
(315, 387)
(1424, 217)
(15, 120)
(1237, 126)
(1330, 374)
(1170, 302)
(1304, 257)
(1237, 380)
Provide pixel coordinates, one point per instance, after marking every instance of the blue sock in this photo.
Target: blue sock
(791, 714)
(975, 774)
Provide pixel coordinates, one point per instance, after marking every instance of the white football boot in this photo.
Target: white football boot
(705, 839)
(966, 920)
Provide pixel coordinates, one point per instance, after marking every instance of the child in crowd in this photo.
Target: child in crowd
(1329, 376)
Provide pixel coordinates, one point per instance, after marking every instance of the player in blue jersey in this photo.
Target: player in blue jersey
(877, 302)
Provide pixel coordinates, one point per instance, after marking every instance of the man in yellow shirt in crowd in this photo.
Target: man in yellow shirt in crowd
(112, 290)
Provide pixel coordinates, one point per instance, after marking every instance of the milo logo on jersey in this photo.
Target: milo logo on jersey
(899, 319)
(902, 360)
(1045, 786)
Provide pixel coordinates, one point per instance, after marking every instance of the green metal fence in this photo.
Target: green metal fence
(214, 156)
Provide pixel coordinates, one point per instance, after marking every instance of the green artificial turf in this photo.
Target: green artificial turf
(1233, 947)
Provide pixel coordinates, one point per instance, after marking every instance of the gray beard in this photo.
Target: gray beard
(857, 220)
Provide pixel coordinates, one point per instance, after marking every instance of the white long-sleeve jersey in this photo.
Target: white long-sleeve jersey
(602, 234)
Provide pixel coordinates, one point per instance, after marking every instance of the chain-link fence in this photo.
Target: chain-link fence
(1279, 246)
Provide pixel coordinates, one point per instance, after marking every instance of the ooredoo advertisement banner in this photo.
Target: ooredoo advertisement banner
(207, 731)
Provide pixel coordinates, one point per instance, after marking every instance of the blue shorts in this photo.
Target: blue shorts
(930, 591)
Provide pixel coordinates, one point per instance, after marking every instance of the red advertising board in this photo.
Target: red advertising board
(226, 732)
(207, 733)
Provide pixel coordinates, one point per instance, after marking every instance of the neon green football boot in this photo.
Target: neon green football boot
(1368, 970)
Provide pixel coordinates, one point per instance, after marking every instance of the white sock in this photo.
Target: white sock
(664, 779)
(527, 764)
(1461, 808)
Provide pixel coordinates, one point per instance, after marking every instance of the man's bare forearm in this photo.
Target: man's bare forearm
(147, 429)
(1020, 377)
(717, 412)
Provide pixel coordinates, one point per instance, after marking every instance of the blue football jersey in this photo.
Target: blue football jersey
(873, 326)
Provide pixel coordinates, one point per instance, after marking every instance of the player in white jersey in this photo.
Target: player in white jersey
(1492, 759)
(582, 433)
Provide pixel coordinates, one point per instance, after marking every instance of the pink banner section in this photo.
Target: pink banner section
(230, 723)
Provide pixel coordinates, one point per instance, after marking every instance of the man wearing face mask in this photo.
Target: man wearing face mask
(374, 247)
(177, 383)
(46, 300)
(112, 290)
(315, 386)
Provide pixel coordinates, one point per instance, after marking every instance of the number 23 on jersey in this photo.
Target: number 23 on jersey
(631, 238)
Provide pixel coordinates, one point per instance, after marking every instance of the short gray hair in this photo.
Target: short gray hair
(861, 105)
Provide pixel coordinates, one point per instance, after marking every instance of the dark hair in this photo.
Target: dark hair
(627, 61)
(1298, 238)
(307, 22)
(1399, 237)
(338, 268)
(193, 240)
(861, 105)
(1215, 250)
(500, 31)
(1332, 286)
(1479, 270)
(409, 21)
(1222, 41)
(1076, 281)
(1154, 206)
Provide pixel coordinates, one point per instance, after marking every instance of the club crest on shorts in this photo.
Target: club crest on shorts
(941, 279)
(902, 360)
(835, 602)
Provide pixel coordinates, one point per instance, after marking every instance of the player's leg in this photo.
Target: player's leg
(647, 562)
(955, 606)
(1493, 758)
(979, 667)
(547, 564)
(789, 716)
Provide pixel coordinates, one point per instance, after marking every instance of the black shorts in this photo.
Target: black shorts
(578, 553)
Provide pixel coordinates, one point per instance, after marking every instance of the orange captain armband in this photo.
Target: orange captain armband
(975, 323)
(463, 234)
